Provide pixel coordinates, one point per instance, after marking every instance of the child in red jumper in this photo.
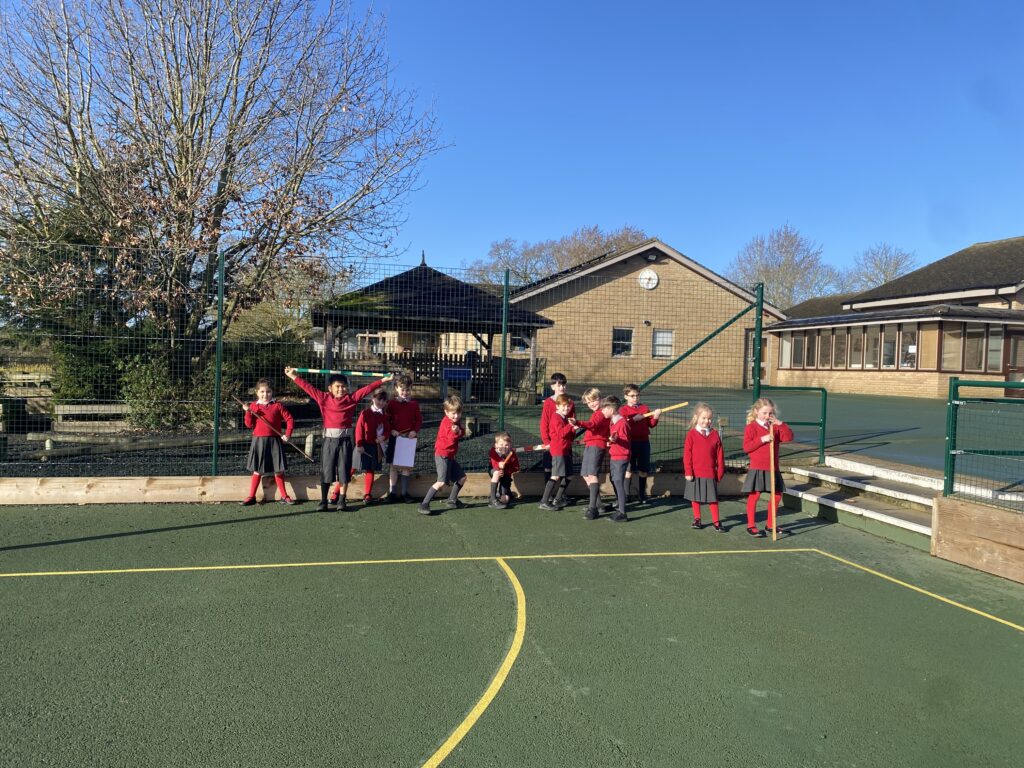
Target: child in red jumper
(504, 465)
(271, 424)
(445, 449)
(618, 453)
(640, 426)
(371, 439)
(406, 421)
(558, 387)
(763, 428)
(595, 444)
(703, 465)
(336, 408)
(561, 432)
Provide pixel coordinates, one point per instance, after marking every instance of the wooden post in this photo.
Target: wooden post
(328, 344)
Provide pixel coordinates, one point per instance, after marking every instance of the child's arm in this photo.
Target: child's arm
(783, 433)
(753, 438)
(655, 415)
(688, 456)
(289, 422)
(719, 461)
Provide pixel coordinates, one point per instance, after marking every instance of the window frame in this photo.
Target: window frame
(629, 344)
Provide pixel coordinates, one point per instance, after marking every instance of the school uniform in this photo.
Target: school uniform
(704, 461)
(759, 476)
(640, 437)
(371, 428)
(560, 435)
(619, 446)
(595, 442)
(446, 447)
(266, 451)
(405, 416)
(547, 410)
(508, 465)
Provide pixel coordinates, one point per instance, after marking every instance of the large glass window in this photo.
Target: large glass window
(798, 349)
(995, 348)
(908, 346)
(928, 347)
(841, 348)
(974, 347)
(872, 346)
(786, 350)
(811, 356)
(825, 348)
(661, 345)
(857, 346)
(889, 346)
(952, 346)
(622, 342)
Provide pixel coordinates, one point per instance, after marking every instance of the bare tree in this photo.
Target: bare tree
(877, 265)
(527, 262)
(164, 132)
(789, 265)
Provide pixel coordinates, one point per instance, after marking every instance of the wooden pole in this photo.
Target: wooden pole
(666, 410)
(271, 428)
(329, 372)
(771, 501)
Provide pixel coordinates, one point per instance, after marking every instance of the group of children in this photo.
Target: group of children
(620, 430)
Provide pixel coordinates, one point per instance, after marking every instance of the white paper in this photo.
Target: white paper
(405, 452)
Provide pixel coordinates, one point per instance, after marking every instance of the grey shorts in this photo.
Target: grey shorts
(561, 466)
(448, 470)
(592, 456)
(336, 459)
(640, 455)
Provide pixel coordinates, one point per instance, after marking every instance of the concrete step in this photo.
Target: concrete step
(920, 477)
(898, 491)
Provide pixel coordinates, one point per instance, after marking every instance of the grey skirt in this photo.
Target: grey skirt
(266, 456)
(703, 490)
(759, 481)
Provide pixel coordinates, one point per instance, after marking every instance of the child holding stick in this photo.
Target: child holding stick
(504, 465)
(640, 426)
(406, 421)
(445, 449)
(271, 426)
(560, 431)
(371, 437)
(336, 408)
(703, 465)
(595, 443)
(558, 387)
(619, 445)
(763, 427)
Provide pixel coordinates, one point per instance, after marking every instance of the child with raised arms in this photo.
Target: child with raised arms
(406, 421)
(595, 443)
(446, 447)
(703, 465)
(371, 438)
(763, 427)
(561, 432)
(619, 446)
(640, 426)
(271, 424)
(504, 465)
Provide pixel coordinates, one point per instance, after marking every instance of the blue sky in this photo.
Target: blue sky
(707, 124)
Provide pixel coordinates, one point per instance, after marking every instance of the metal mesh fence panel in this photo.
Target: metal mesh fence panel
(988, 458)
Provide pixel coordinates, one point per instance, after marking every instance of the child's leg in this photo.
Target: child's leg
(751, 508)
(367, 483)
(641, 486)
(594, 488)
(406, 473)
(494, 486)
(393, 479)
(456, 487)
(619, 484)
(279, 479)
(254, 484)
(696, 511)
(432, 491)
(714, 512)
(549, 488)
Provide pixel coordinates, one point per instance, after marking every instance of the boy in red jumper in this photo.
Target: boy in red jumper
(618, 453)
(504, 465)
(558, 386)
(336, 408)
(371, 437)
(762, 427)
(271, 424)
(561, 432)
(703, 465)
(595, 444)
(640, 427)
(445, 449)
(406, 421)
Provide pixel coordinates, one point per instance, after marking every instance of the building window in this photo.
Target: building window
(841, 348)
(785, 350)
(798, 349)
(872, 346)
(812, 349)
(825, 349)
(928, 347)
(857, 346)
(952, 346)
(974, 347)
(662, 343)
(889, 346)
(995, 348)
(622, 342)
(908, 346)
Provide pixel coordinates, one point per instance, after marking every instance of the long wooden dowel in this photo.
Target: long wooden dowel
(274, 430)
(771, 501)
(666, 410)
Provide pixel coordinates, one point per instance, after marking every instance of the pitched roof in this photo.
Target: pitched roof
(910, 314)
(425, 299)
(822, 305)
(991, 265)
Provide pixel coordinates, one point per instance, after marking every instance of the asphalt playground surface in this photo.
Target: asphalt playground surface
(213, 635)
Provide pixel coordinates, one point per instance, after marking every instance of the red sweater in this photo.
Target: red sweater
(273, 412)
(757, 450)
(598, 430)
(640, 431)
(405, 415)
(560, 435)
(336, 411)
(618, 439)
(546, 412)
(511, 462)
(448, 434)
(368, 423)
(703, 455)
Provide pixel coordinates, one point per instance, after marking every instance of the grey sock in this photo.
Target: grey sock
(595, 495)
(431, 493)
(405, 485)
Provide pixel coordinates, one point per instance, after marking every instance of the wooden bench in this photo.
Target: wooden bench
(90, 417)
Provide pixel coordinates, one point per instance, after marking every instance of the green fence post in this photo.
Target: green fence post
(218, 364)
(759, 293)
(954, 392)
(504, 354)
(821, 430)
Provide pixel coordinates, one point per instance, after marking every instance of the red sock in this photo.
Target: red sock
(696, 510)
(714, 512)
(751, 507)
(336, 492)
(254, 484)
(279, 479)
(367, 483)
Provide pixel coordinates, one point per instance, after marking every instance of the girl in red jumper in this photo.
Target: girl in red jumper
(271, 424)
(372, 430)
(763, 427)
(703, 465)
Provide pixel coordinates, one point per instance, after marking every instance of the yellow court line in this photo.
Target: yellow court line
(499, 678)
(940, 598)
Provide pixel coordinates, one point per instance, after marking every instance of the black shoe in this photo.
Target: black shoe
(608, 507)
(407, 499)
(322, 506)
(391, 498)
(333, 501)
(548, 507)
(343, 504)
(696, 524)
(778, 532)
(425, 508)
(619, 517)
(454, 504)
(368, 500)
(495, 504)
(248, 502)
(642, 501)
(755, 533)
(718, 527)
(590, 514)
(287, 500)
(560, 503)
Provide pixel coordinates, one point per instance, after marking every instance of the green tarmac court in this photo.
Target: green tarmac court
(215, 635)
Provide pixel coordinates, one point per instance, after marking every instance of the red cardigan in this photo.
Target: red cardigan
(405, 415)
(448, 434)
(640, 431)
(511, 462)
(336, 411)
(618, 439)
(703, 456)
(273, 412)
(757, 450)
(367, 424)
(598, 430)
(546, 412)
(560, 435)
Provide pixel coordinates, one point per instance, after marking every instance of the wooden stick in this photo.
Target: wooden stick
(272, 429)
(666, 410)
(329, 372)
(771, 501)
(523, 449)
